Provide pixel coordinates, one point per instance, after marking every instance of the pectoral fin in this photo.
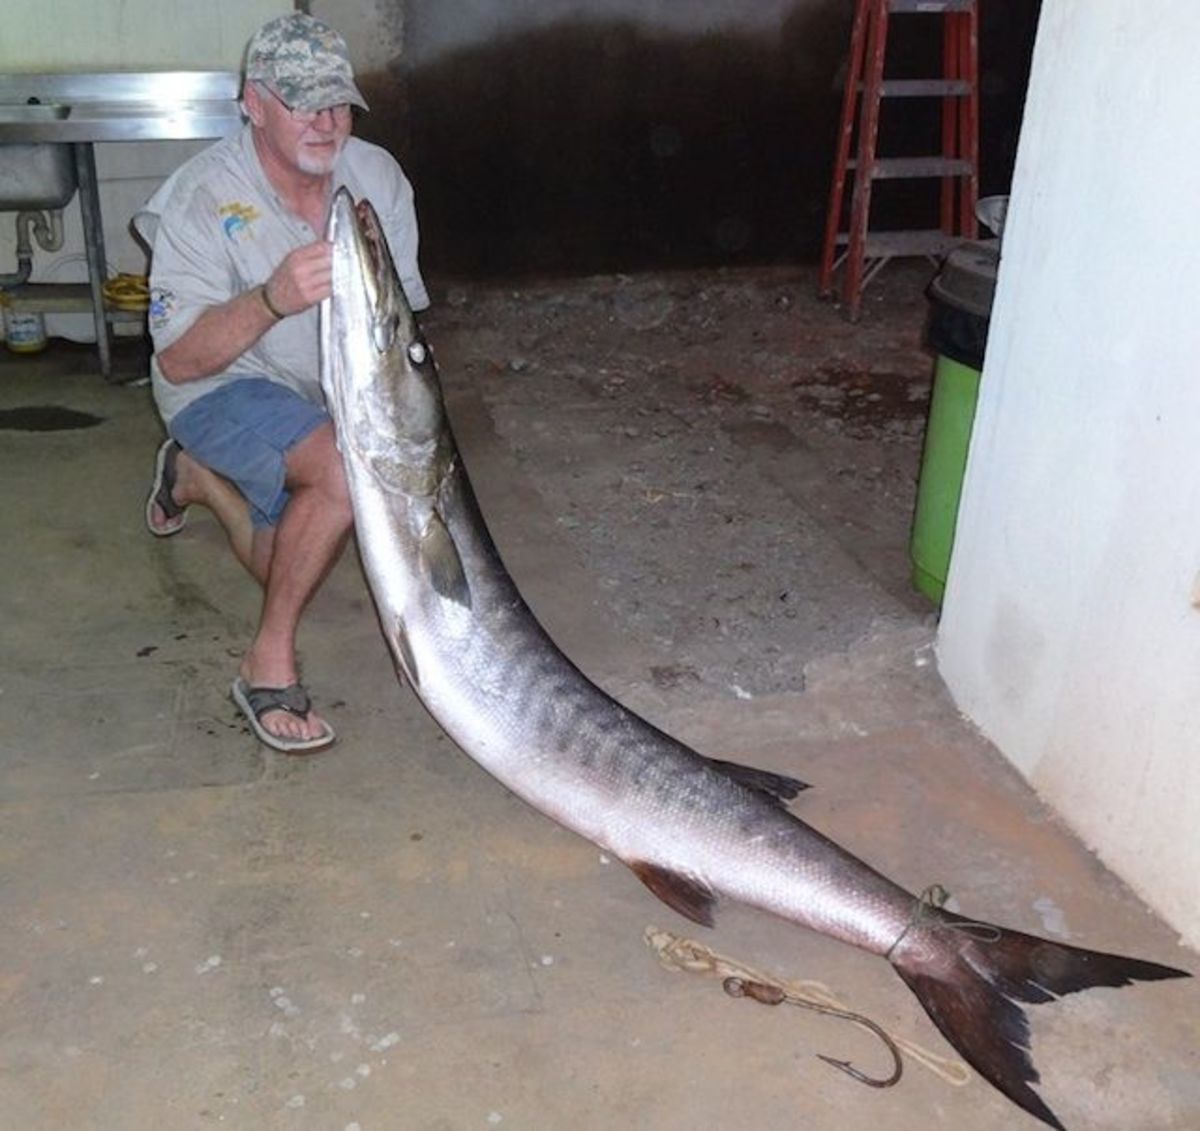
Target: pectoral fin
(679, 892)
(442, 565)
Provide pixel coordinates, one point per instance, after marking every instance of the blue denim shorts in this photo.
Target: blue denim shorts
(244, 431)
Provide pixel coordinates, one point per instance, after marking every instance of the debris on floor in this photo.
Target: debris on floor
(703, 483)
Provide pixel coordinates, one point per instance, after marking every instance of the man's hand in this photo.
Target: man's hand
(304, 278)
(223, 333)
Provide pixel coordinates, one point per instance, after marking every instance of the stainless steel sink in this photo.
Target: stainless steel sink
(35, 176)
(118, 106)
(59, 118)
(32, 112)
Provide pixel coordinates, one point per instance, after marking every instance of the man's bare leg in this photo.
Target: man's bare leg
(262, 547)
(197, 484)
(305, 545)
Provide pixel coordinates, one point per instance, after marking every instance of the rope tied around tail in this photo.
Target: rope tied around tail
(926, 913)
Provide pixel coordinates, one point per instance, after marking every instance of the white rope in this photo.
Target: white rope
(680, 954)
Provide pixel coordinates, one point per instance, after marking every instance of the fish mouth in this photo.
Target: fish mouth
(362, 265)
(357, 318)
(376, 370)
(366, 317)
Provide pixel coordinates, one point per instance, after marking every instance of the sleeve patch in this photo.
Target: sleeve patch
(162, 305)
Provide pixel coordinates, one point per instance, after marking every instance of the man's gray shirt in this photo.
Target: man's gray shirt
(219, 229)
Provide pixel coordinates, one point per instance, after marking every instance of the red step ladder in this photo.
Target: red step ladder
(860, 251)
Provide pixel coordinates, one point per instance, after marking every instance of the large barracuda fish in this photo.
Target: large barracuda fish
(691, 828)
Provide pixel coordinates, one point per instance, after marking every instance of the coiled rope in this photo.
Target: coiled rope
(127, 292)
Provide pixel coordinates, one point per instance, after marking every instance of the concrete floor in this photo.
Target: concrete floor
(195, 931)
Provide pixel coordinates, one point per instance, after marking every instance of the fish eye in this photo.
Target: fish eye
(417, 353)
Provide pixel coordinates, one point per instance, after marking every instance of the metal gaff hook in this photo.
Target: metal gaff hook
(774, 995)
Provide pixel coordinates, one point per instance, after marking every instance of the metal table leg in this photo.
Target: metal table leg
(93, 238)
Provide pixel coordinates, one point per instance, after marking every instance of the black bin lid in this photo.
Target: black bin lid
(967, 279)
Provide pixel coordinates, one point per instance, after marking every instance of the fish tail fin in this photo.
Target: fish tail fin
(971, 979)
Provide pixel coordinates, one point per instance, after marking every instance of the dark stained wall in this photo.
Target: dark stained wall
(587, 144)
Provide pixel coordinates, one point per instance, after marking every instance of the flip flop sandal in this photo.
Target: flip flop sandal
(255, 702)
(160, 493)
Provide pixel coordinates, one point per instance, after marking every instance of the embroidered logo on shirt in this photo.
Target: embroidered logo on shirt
(236, 219)
(162, 302)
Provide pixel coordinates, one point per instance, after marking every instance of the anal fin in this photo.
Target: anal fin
(690, 898)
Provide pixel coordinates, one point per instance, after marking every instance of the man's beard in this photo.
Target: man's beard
(317, 165)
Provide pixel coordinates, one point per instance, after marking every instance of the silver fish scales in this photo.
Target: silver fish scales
(693, 829)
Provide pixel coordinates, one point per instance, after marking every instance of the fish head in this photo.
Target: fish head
(377, 370)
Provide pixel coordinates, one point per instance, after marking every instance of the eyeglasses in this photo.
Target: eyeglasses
(339, 112)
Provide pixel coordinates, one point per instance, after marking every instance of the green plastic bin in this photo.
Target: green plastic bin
(960, 308)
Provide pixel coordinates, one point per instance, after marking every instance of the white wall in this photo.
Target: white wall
(374, 30)
(437, 27)
(129, 35)
(1069, 633)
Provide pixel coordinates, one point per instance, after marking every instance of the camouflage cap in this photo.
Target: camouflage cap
(304, 61)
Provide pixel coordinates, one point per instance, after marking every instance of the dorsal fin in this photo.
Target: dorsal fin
(778, 787)
(689, 897)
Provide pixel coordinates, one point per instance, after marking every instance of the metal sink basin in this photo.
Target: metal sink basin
(32, 112)
(35, 176)
(84, 108)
